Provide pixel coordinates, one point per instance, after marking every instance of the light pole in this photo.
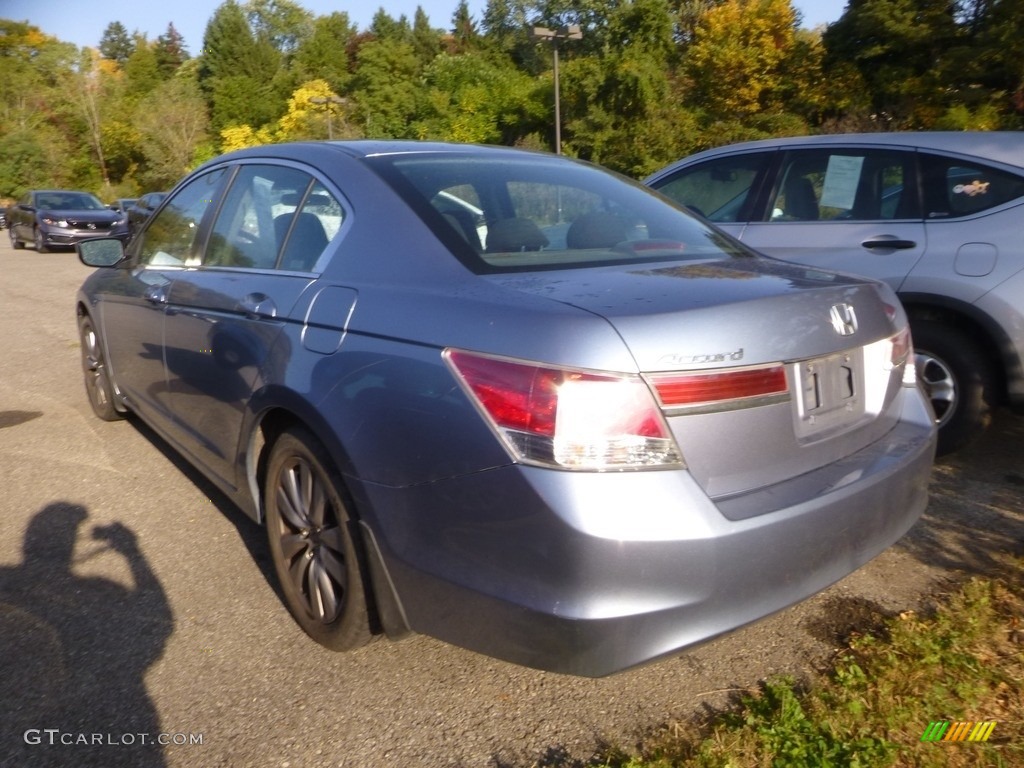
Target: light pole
(572, 32)
(330, 101)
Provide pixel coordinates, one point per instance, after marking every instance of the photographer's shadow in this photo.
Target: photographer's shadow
(74, 650)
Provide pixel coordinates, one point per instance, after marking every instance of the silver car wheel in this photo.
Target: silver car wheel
(939, 384)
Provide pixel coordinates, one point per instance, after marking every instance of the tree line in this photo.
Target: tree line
(647, 82)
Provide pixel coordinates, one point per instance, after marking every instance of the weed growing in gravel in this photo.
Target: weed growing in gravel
(965, 662)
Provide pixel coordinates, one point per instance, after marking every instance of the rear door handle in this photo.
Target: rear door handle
(889, 243)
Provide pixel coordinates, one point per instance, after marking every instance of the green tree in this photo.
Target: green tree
(898, 47)
(173, 123)
(386, 87)
(116, 44)
(238, 71)
(426, 40)
(477, 99)
(384, 27)
(170, 52)
(465, 34)
(283, 23)
(142, 69)
(620, 108)
(324, 54)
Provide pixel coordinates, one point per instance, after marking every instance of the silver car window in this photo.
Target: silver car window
(721, 189)
(844, 184)
(954, 187)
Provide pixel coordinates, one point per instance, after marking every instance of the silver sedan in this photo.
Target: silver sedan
(507, 399)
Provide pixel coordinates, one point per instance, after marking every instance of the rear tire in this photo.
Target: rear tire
(958, 379)
(313, 543)
(16, 244)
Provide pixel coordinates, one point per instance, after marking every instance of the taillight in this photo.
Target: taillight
(721, 389)
(901, 348)
(566, 418)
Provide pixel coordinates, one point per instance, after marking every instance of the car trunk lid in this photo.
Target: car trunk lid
(764, 370)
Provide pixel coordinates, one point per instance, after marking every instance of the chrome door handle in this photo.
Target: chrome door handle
(258, 305)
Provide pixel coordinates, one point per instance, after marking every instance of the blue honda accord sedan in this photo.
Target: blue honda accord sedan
(508, 399)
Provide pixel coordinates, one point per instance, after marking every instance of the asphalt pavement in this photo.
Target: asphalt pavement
(140, 624)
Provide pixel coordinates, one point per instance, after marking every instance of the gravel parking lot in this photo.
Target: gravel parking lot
(138, 614)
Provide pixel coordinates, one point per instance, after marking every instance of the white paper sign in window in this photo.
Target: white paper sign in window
(841, 179)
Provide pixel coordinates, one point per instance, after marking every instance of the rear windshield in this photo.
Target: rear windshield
(503, 213)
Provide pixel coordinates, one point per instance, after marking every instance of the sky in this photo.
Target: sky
(82, 21)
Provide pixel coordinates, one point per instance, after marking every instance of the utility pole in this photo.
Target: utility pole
(572, 32)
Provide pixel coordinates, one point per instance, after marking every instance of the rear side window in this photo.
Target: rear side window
(273, 217)
(954, 188)
(845, 185)
(721, 190)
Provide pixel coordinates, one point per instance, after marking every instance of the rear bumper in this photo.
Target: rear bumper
(589, 574)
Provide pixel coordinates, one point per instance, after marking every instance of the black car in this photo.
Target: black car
(50, 218)
(142, 209)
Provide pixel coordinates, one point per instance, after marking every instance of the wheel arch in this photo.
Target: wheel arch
(992, 340)
(386, 612)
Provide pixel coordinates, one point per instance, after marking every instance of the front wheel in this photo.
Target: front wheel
(98, 386)
(315, 554)
(957, 377)
(40, 242)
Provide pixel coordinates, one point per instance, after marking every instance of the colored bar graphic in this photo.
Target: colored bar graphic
(935, 731)
(982, 731)
(943, 730)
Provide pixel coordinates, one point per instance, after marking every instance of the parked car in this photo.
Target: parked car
(121, 206)
(3, 217)
(141, 209)
(577, 458)
(936, 215)
(51, 218)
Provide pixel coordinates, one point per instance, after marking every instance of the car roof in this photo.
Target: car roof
(1000, 146)
(362, 148)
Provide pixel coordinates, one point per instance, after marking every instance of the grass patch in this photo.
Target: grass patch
(964, 662)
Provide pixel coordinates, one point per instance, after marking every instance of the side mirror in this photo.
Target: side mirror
(100, 252)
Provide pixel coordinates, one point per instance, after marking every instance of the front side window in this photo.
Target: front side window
(953, 187)
(170, 240)
(273, 217)
(721, 189)
(845, 184)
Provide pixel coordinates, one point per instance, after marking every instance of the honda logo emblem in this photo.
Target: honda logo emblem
(844, 319)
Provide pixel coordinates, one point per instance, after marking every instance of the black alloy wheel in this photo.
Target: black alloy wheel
(98, 386)
(312, 543)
